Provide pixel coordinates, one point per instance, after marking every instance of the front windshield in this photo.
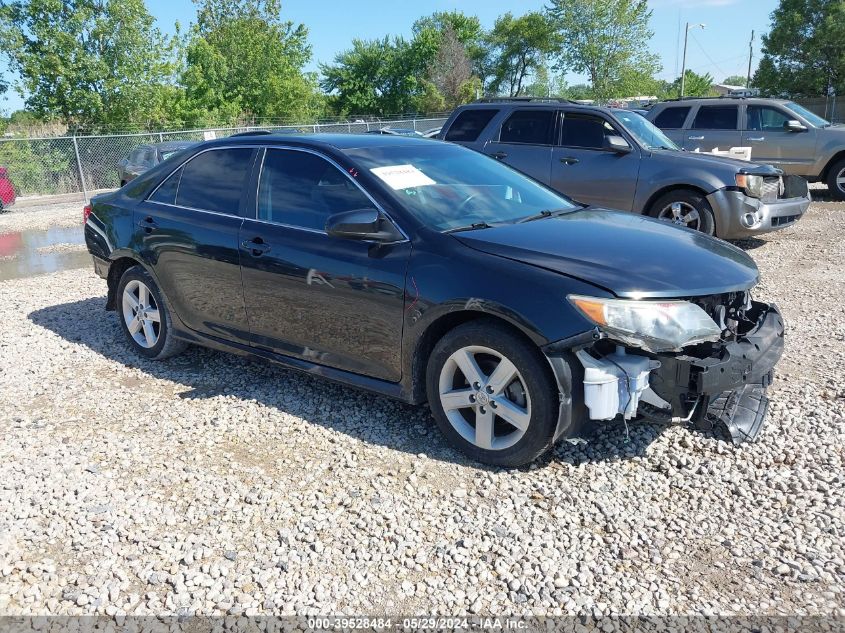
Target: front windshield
(647, 134)
(448, 187)
(813, 119)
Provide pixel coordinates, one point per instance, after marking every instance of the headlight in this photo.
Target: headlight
(751, 185)
(655, 326)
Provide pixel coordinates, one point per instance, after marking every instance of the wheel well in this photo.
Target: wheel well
(437, 330)
(836, 158)
(662, 192)
(116, 270)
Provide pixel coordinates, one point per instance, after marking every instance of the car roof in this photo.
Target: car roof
(174, 144)
(487, 105)
(329, 141)
(718, 100)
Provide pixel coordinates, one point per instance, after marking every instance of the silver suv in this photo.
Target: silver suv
(780, 133)
(616, 159)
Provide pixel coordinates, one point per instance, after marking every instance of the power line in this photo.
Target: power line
(707, 55)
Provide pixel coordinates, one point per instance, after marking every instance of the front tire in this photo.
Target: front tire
(492, 394)
(836, 180)
(684, 207)
(145, 316)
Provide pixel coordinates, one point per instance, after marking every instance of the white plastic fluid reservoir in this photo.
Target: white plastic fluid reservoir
(613, 384)
(601, 392)
(637, 369)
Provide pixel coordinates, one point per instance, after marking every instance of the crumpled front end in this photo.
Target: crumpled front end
(719, 383)
(722, 384)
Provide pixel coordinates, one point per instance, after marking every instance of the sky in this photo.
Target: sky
(720, 49)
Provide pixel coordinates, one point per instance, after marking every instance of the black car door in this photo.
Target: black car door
(332, 301)
(187, 232)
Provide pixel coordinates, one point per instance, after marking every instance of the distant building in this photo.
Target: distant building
(726, 90)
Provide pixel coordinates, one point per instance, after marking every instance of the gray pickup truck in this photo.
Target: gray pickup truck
(779, 132)
(616, 159)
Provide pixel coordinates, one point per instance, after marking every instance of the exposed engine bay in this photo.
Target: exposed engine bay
(711, 384)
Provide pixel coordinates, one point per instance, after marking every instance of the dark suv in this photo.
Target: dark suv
(425, 271)
(616, 159)
(779, 132)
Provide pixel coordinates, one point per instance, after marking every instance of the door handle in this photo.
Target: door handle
(695, 138)
(757, 139)
(569, 160)
(499, 155)
(148, 224)
(256, 246)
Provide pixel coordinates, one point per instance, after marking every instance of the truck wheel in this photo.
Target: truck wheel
(836, 180)
(492, 394)
(685, 207)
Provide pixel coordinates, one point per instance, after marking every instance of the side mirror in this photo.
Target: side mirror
(616, 144)
(362, 224)
(794, 126)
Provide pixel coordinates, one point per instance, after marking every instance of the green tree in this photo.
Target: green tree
(465, 28)
(518, 48)
(695, 85)
(381, 77)
(605, 39)
(735, 80)
(243, 59)
(88, 62)
(804, 52)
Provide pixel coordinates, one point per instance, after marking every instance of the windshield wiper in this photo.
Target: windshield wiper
(545, 213)
(470, 227)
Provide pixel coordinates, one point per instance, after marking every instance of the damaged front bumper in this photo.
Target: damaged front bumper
(721, 384)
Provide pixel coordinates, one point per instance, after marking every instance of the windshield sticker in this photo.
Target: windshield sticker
(402, 176)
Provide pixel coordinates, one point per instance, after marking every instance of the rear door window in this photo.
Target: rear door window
(166, 192)
(530, 127)
(214, 180)
(672, 118)
(716, 117)
(469, 124)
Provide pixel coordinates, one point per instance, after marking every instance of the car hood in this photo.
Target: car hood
(629, 255)
(713, 162)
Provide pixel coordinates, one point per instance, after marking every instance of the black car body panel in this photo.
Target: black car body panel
(643, 263)
(367, 313)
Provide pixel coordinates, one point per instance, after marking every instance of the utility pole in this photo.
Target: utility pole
(750, 57)
(684, 63)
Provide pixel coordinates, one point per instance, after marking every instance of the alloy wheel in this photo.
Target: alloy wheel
(682, 214)
(485, 398)
(840, 180)
(141, 314)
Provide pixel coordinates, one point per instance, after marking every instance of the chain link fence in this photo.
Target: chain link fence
(82, 164)
(830, 108)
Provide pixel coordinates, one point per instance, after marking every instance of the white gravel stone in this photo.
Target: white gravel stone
(208, 484)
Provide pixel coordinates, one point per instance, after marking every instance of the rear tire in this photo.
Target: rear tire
(836, 180)
(145, 316)
(685, 207)
(492, 394)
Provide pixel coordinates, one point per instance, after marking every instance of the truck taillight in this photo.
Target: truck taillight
(86, 211)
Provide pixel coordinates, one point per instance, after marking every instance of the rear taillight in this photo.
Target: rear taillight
(86, 211)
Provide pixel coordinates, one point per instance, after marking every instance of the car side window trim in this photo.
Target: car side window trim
(254, 215)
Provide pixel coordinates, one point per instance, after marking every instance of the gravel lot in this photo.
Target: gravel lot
(208, 484)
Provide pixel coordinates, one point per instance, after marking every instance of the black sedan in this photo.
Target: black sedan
(428, 272)
(145, 157)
